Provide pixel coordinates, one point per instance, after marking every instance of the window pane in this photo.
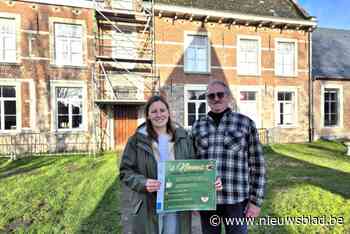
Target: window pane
(191, 119)
(63, 108)
(191, 108)
(63, 121)
(202, 109)
(8, 91)
(196, 58)
(10, 122)
(77, 121)
(77, 108)
(10, 107)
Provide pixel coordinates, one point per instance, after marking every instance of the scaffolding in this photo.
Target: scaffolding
(124, 72)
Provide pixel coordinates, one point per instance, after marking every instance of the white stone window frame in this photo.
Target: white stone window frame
(258, 99)
(17, 85)
(54, 84)
(188, 88)
(17, 36)
(277, 57)
(187, 35)
(57, 20)
(123, 4)
(240, 71)
(296, 110)
(341, 105)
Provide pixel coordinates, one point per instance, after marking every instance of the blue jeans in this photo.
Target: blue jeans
(224, 211)
(168, 223)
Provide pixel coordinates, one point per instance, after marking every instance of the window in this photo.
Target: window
(122, 4)
(196, 106)
(248, 56)
(69, 106)
(68, 44)
(8, 116)
(286, 58)
(286, 108)
(7, 40)
(197, 53)
(331, 107)
(248, 105)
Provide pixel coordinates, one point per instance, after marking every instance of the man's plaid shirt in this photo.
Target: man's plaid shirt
(235, 146)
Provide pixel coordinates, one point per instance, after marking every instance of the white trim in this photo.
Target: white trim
(34, 32)
(17, 19)
(295, 41)
(82, 23)
(17, 84)
(248, 37)
(207, 34)
(69, 84)
(169, 43)
(341, 105)
(252, 88)
(35, 58)
(188, 87)
(295, 117)
(223, 15)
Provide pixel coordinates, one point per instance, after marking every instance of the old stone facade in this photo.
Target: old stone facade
(48, 76)
(223, 45)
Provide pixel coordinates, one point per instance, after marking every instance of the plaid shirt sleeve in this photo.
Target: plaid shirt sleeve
(257, 170)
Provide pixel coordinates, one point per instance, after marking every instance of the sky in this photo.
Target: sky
(329, 13)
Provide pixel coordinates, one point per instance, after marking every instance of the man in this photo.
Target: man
(232, 140)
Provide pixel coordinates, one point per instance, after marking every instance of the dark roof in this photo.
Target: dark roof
(331, 53)
(274, 8)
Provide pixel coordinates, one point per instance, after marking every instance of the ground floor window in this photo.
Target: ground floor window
(8, 113)
(331, 107)
(286, 108)
(69, 106)
(248, 105)
(196, 105)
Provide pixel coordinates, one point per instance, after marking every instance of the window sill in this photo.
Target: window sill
(196, 73)
(286, 76)
(61, 131)
(3, 63)
(287, 126)
(332, 127)
(249, 75)
(69, 66)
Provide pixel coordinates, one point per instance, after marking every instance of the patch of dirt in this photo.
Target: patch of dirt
(14, 224)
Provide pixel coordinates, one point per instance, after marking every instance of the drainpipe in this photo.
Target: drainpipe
(311, 92)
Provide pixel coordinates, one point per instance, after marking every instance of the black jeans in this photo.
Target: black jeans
(211, 220)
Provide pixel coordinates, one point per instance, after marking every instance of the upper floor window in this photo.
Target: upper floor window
(68, 44)
(331, 107)
(248, 56)
(8, 113)
(197, 53)
(286, 58)
(286, 108)
(7, 40)
(69, 108)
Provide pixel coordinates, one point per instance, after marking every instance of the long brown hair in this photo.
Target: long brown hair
(149, 127)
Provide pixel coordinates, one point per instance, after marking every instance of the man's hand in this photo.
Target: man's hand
(218, 184)
(152, 185)
(252, 211)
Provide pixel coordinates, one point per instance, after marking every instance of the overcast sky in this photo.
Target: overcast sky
(329, 13)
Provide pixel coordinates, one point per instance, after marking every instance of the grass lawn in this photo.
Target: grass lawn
(77, 194)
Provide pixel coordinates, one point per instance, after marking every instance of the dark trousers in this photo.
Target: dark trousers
(211, 220)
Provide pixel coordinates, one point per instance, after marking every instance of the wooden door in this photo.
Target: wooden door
(125, 124)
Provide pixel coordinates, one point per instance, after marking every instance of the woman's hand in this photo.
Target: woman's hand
(218, 184)
(152, 185)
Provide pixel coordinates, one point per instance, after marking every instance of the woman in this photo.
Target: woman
(138, 170)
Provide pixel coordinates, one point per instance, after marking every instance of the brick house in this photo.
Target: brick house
(77, 73)
(331, 83)
(45, 77)
(260, 48)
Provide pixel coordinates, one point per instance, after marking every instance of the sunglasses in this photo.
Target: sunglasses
(211, 96)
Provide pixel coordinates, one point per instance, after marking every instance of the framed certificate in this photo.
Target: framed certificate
(186, 185)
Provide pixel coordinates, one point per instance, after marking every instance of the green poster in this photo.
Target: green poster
(188, 185)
